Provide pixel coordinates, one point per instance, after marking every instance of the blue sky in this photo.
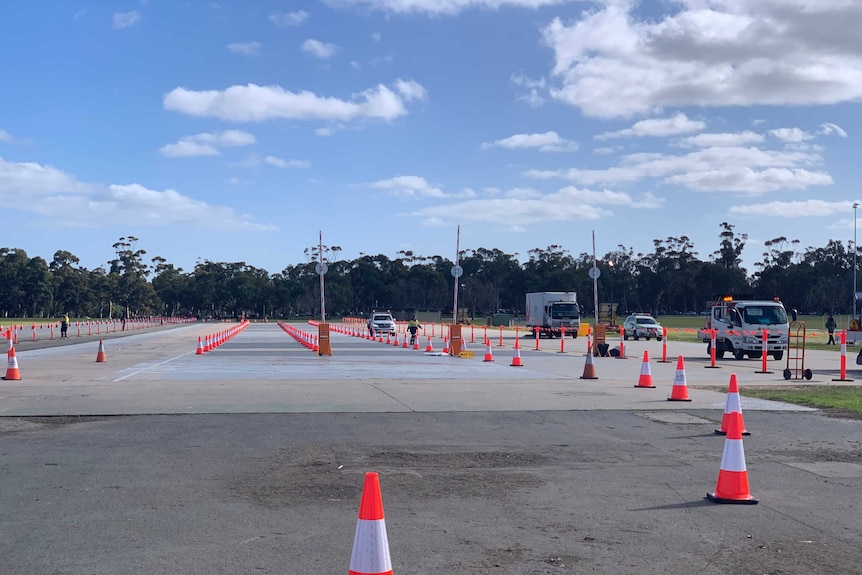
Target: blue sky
(238, 130)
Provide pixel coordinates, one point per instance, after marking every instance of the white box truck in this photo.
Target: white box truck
(550, 311)
(739, 325)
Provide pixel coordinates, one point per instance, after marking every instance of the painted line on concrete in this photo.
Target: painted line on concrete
(149, 367)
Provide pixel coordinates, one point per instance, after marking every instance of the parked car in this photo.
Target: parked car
(641, 325)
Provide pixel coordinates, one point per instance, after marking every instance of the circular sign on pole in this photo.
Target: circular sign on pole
(595, 273)
(457, 271)
(321, 268)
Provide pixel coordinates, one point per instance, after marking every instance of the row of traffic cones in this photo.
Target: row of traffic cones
(211, 341)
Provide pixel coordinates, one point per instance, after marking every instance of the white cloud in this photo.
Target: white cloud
(546, 142)
(409, 186)
(318, 49)
(716, 169)
(614, 61)
(126, 19)
(797, 209)
(830, 129)
(657, 127)
(246, 48)
(603, 151)
(533, 99)
(5, 136)
(355, 65)
(410, 90)
(253, 103)
(520, 79)
(207, 144)
(376, 36)
(709, 140)
(441, 7)
(279, 163)
(524, 206)
(790, 135)
(61, 198)
(285, 19)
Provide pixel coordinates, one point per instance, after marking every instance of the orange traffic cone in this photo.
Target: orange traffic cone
(445, 345)
(680, 388)
(429, 348)
(395, 342)
(416, 341)
(732, 405)
(388, 339)
(516, 359)
(12, 372)
(200, 350)
(489, 355)
(645, 379)
(406, 342)
(100, 355)
(370, 545)
(589, 368)
(732, 486)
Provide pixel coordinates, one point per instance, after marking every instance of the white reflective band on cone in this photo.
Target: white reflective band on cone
(733, 403)
(370, 548)
(733, 457)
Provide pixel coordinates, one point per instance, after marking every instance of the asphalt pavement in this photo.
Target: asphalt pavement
(250, 459)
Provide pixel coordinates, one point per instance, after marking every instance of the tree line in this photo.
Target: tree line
(672, 278)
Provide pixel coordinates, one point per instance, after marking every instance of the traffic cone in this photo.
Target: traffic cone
(416, 342)
(370, 554)
(12, 372)
(445, 345)
(100, 355)
(680, 389)
(732, 405)
(516, 359)
(389, 339)
(429, 348)
(489, 355)
(645, 379)
(200, 350)
(732, 486)
(406, 342)
(589, 368)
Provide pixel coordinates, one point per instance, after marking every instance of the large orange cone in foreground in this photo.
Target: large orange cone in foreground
(680, 388)
(645, 379)
(732, 405)
(370, 545)
(732, 486)
(589, 368)
(12, 372)
(200, 350)
(100, 355)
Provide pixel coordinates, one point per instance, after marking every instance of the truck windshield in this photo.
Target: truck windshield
(765, 315)
(565, 311)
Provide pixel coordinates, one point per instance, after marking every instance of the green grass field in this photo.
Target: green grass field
(838, 400)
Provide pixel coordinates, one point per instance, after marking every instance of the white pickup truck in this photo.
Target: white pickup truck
(381, 323)
(739, 326)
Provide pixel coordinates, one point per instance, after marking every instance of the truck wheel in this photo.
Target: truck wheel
(738, 354)
(636, 336)
(777, 355)
(658, 338)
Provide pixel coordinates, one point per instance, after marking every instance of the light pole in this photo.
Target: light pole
(855, 205)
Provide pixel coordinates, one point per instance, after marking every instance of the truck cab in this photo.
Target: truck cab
(739, 325)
